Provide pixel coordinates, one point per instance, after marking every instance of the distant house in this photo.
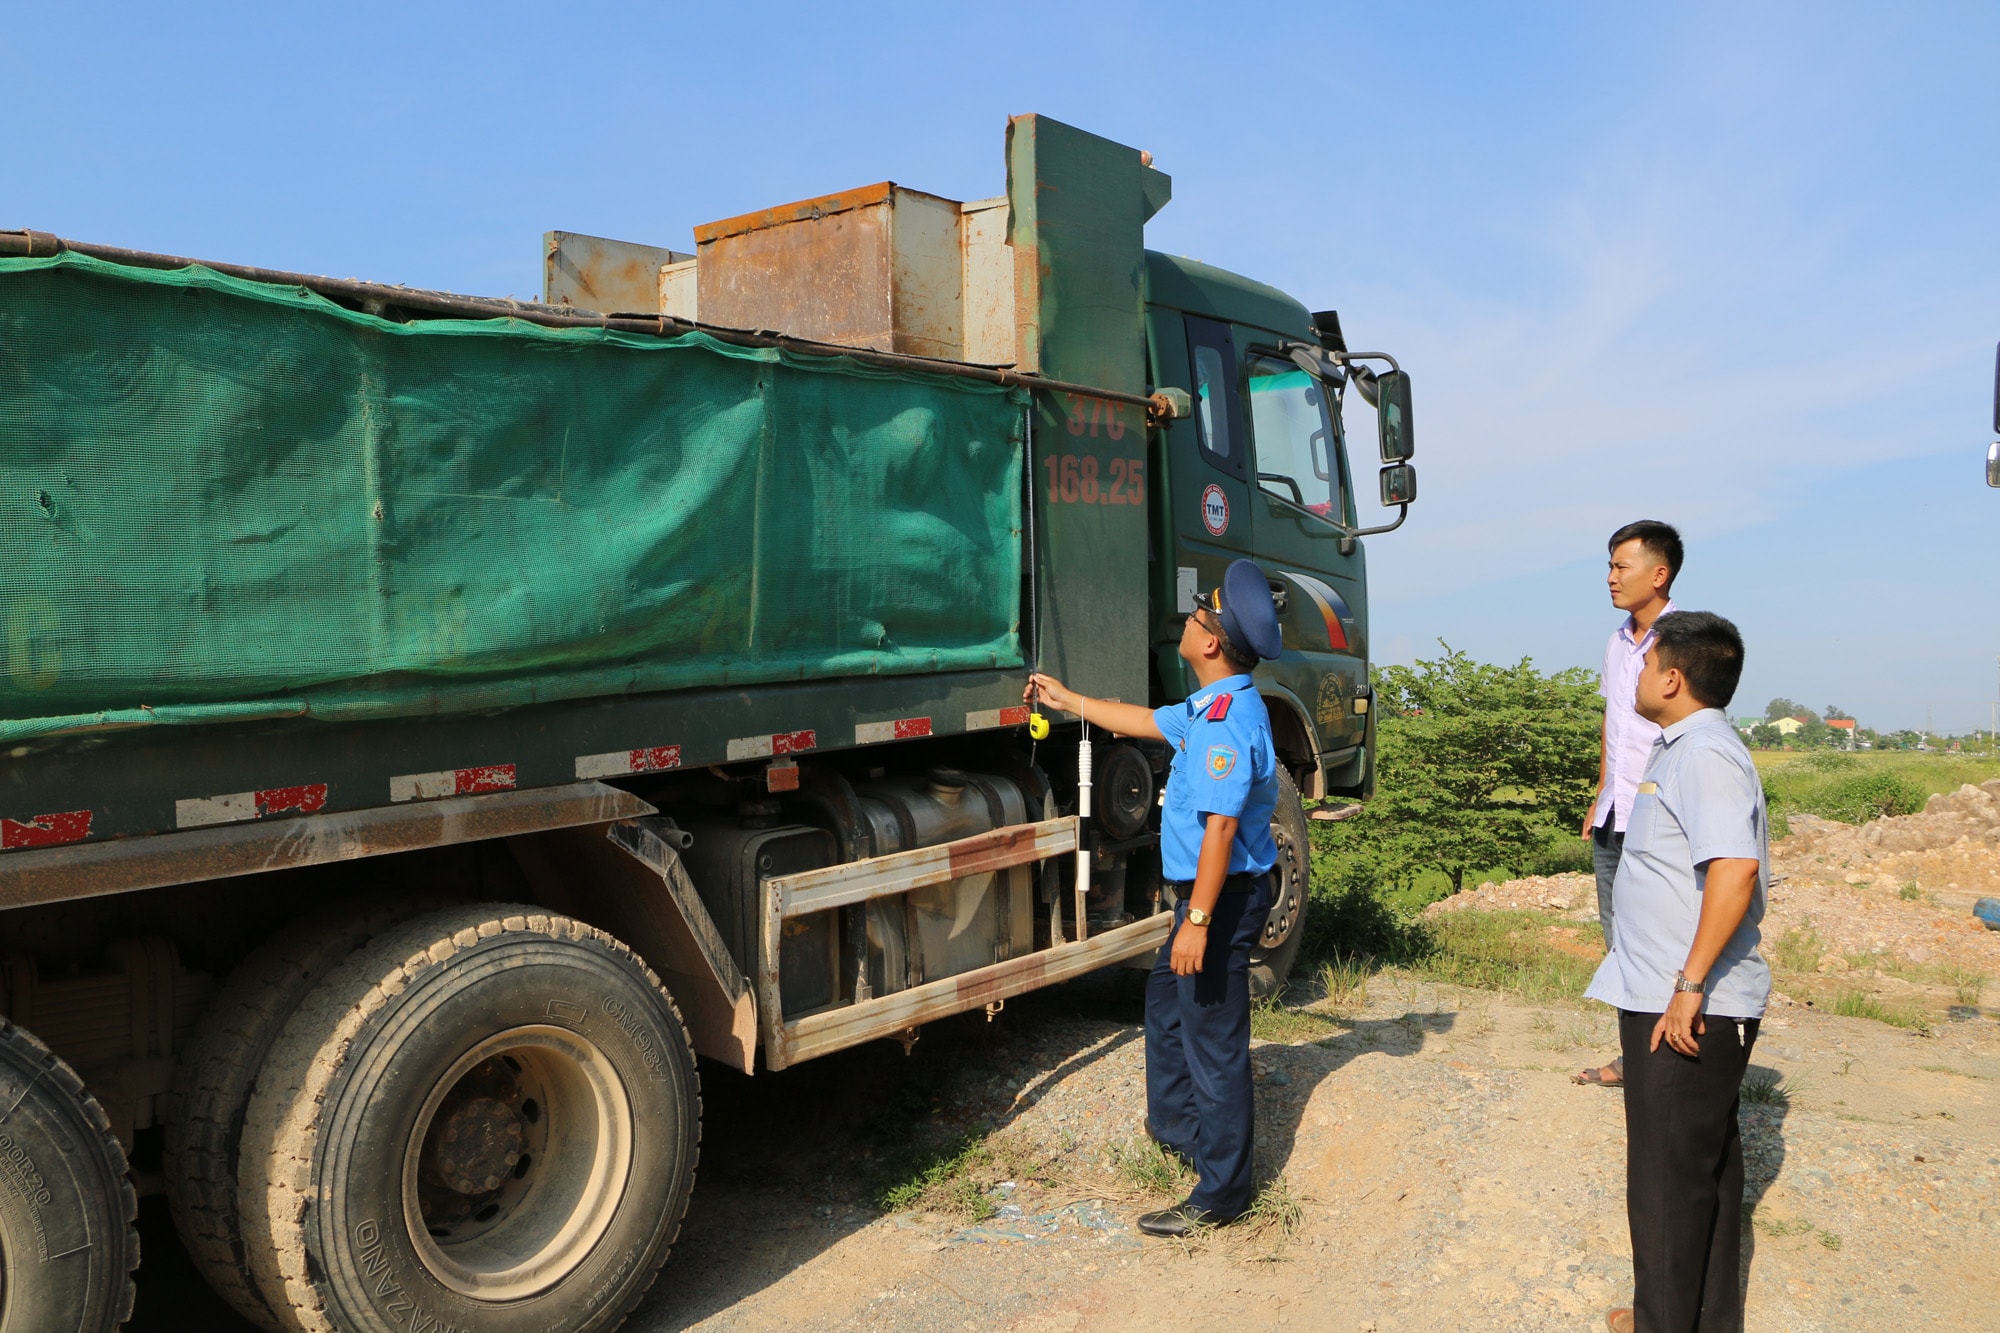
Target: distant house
(1842, 727)
(1789, 726)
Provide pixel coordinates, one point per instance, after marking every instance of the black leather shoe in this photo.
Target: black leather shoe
(1177, 1220)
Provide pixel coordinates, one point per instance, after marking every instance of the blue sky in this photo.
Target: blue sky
(1731, 266)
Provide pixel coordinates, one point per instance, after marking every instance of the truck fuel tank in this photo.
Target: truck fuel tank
(960, 925)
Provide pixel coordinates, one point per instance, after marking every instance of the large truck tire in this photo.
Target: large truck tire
(487, 1118)
(216, 1072)
(68, 1239)
(1291, 889)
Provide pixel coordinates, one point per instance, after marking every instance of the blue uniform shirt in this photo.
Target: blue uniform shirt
(1224, 764)
(1701, 801)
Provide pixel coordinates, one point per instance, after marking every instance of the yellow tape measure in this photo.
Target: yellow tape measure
(1038, 726)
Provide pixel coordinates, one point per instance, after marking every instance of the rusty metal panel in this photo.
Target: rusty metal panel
(825, 278)
(91, 869)
(988, 298)
(878, 267)
(836, 1029)
(606, 276)
(927, 276)
(899, 872)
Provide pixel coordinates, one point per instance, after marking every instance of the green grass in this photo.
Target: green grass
(1150, 1169)
(1855, 788)
(942, 1181)
(1272, 1020)
(1766, 1087)
(1277, 1207)
(1861, 1004)
(1966, 984)
(1799, 949)
(1343, 980)
(1515, 951)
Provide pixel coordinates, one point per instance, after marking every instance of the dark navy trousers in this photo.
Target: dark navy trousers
(1199, 1099)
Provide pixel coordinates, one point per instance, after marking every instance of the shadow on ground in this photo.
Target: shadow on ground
(794, 1162)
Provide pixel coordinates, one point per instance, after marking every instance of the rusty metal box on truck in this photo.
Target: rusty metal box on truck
(431, 722)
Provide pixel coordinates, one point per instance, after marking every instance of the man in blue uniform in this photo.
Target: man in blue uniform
(1216, 853)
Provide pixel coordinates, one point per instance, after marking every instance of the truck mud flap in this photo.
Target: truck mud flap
(629, 880)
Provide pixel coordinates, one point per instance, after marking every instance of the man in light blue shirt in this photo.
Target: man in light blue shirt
(1684, 974)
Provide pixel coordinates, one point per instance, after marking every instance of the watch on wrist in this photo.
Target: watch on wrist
(1197, 917)
(1682, 985)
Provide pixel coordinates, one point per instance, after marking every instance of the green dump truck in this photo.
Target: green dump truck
(432, 722)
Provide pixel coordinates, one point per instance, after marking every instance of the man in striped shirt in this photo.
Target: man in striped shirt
(1645, 557)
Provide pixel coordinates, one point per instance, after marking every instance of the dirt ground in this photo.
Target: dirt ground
(1431, 1166)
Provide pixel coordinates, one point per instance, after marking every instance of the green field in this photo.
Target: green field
(1857, 787)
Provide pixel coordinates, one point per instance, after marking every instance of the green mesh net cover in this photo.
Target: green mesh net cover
(223, 499)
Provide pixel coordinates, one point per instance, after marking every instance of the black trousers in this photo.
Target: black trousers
(1684, 1176)
(1199, 1098)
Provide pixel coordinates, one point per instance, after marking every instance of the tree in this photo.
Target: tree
(1480, 764)
(1832, 714)
(1764, 736)
(1781, 707)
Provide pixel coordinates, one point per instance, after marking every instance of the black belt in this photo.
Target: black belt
(1241, 882)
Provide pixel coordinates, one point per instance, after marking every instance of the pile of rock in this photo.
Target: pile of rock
(1569, 894)
(1949, 854)
(1970, 815)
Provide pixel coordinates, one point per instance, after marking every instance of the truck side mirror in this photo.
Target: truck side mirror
(1392, 416)
(1993, 464)
(1399, 485)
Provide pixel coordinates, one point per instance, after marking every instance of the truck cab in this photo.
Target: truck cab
(1259, 469)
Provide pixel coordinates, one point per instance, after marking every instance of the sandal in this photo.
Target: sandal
(1616, 1069)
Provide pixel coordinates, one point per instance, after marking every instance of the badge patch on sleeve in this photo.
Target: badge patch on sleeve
(1221, 761)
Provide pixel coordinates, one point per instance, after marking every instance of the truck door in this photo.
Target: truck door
(1202, 477)
(1301, 491)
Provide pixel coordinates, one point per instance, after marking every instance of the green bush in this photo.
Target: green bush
(1844, 790)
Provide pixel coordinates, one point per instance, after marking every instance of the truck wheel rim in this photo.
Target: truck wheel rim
(1287, 891)
(516, 1163)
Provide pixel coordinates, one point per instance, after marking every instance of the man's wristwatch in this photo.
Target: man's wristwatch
(1682, 984)
(1197, 917)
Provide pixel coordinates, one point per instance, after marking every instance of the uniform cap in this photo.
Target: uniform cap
(1249, 616)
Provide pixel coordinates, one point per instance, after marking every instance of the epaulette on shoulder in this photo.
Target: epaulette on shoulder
(1219, 710)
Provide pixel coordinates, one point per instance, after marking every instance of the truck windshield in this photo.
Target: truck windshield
(1295, 436)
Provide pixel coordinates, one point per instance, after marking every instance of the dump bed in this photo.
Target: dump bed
(285, 546)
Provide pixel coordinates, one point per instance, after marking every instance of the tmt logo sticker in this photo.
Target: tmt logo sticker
(1215, 511)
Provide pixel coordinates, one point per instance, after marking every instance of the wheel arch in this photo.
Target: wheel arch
(627, 879)
(1296, 741)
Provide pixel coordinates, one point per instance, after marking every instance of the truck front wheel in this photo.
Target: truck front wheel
(1291, 887)
(67, 1208)
(488, 1118)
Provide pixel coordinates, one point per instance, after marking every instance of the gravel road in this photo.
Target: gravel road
(1446, 1172)
(1450, 1176)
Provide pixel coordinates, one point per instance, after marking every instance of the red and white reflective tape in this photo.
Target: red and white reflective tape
(765, 747)
(237, 806)
(452, 782)
(622, 763)
(45, 830)
(902, 729)
(1016, 716)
